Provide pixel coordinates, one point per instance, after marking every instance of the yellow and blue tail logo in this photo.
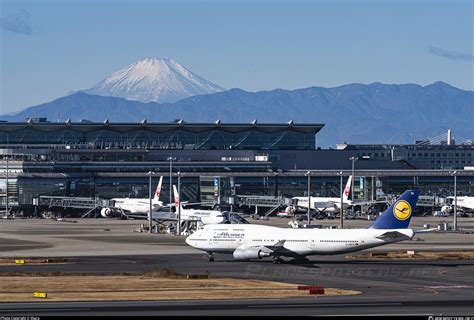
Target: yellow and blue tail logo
(398, 215)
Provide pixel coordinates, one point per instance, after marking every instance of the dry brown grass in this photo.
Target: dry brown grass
(453, 255)
(100, 288)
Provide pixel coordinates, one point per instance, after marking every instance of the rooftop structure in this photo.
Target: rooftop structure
(172, 135)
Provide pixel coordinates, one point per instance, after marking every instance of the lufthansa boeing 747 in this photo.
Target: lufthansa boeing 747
(250, 241)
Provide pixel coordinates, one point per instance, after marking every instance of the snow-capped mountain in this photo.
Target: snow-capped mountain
(153, 79)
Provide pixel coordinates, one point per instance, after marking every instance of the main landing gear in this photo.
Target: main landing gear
(277, 260)
(210, 257)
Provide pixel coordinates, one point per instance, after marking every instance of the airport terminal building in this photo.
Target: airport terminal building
(106, 160)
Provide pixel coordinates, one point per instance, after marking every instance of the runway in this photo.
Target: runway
(276, 307)
(415, 287)
(388, 287)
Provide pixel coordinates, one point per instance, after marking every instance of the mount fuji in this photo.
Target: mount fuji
(153, 80)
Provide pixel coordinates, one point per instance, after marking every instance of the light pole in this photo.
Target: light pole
(341, 209)
(150, 174)
(455, 226)
(6, 187)
(170, 159)
(309, 197)
(179, 204)
(353, 178)
(6, 190)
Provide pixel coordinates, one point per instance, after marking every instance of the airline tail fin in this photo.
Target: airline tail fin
(176, 197)
(398, 215)
(345, 195)
(156, 198)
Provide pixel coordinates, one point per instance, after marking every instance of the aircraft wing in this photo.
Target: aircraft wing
(324, 204)
(136, 216)
(205, 203)
(277, 247)
(166, 216)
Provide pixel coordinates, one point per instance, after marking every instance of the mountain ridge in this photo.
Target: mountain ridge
(353, 113)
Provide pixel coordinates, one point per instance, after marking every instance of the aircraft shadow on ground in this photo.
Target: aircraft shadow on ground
(319, 263)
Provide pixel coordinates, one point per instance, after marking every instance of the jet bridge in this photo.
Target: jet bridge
(90, 204)
(273, 203)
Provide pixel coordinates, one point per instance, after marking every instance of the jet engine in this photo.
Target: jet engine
(446, 208)
(250, 253)
(106, 212)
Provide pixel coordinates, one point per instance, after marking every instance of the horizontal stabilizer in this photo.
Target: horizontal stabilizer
(326, 204)
(392, 235)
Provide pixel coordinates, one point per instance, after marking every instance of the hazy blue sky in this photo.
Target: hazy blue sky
(51, 47)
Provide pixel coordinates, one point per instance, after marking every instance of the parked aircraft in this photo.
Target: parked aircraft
(324, 204)
(205, 216)
(250, 241)
(463, 202)
(133, 206)
(190, 218)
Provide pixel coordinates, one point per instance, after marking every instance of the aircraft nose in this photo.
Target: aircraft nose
(189, 242)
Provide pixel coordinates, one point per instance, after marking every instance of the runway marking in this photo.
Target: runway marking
(428, 290)
(450, 287)
(447, 273)
(330, 305)
(98, 260)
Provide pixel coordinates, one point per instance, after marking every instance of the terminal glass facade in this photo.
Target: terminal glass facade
(161, 136)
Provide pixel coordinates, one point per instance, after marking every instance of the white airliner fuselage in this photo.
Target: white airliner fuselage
(255, 240)
(136, 206)
(326, 204)
(205, 216)
(463, 202)
(249, 241)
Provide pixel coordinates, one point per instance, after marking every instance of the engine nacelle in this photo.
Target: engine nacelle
(250, 253)
(446, 209)
(106, 212)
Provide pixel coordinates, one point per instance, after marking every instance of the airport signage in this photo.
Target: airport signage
(43, 295)
(216, 186)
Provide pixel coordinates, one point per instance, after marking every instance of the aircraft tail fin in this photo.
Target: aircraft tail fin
(176, 197)
(398, 215)
(156, 197)
(345, 195)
